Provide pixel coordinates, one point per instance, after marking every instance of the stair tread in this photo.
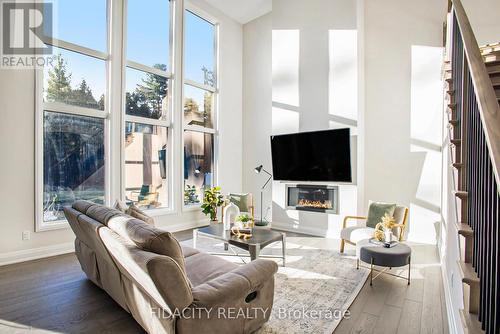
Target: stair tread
(461, 194)
(465, 229)
(493, 68)
(470, 323)
(495, 80)
(491, 56)
(469, 275)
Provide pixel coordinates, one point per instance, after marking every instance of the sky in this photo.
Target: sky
(84, 23)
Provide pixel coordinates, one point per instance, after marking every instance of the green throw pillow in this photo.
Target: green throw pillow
(241, 201)
(377, 210)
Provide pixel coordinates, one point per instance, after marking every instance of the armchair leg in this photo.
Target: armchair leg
(342, 245)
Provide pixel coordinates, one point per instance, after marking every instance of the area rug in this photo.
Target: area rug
(312, 292)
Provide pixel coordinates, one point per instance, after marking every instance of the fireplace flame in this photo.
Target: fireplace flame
(315, 204)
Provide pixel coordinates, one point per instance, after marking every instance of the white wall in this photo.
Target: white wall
(314, 87)
(257, 116)
(483, 17)
(17, 168)
(17, 211)
(403, 107)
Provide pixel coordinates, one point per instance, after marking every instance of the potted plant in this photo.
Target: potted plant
(245, 219)
(212, 199)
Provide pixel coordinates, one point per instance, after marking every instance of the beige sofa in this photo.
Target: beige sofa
(166, 287)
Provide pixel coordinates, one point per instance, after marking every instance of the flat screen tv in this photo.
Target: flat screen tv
(312, 156)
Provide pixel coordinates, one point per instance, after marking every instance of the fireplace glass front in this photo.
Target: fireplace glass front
(317, 198)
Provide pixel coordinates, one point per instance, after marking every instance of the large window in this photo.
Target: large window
(122, 126)
(147, 104)
(199, 106)
(72, 112)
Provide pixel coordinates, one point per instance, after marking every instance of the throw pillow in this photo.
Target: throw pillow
(135, 212)
(377, 210)
(120, 206)
(241, 201)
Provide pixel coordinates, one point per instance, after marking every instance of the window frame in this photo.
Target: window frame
(195, 10)
(114, 113)
(167, 122)
(41, 106)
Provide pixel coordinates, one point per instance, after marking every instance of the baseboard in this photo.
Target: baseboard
(305, 230)
(36, 253)
(452, 322)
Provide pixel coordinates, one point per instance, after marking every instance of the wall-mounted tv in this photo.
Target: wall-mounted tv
(312, 156)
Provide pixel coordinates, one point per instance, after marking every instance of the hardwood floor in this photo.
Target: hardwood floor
(53, 296)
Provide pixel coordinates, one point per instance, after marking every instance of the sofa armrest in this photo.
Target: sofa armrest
(234, 285)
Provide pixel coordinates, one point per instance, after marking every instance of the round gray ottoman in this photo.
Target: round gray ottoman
(378, 255)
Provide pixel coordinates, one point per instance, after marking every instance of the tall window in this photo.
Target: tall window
(200, 95)
(147, 103)
(105, 121)
(72, 112)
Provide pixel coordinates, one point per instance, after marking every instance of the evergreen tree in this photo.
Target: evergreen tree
(101, 102)
(82, 96)
(153, 91)
(59, 81)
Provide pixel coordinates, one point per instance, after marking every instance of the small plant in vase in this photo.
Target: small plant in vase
(245, 219)
(383, 230)
(212, 199)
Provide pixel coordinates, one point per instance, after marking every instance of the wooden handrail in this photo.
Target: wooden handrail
(488, 105)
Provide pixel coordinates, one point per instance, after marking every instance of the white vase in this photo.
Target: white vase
(388, 235)
(231, 211)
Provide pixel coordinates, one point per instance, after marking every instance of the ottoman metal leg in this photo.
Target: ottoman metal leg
(371, 272)
(283, 248)
(409, 270)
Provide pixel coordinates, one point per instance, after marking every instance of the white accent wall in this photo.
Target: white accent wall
(483, 17)
(338, 64)
(17, 109)
(257, 115)
(403, 107)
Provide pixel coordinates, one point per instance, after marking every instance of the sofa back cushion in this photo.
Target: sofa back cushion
(156, 275)
(148, 238)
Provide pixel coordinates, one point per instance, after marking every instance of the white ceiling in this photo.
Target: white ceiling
(243, 11)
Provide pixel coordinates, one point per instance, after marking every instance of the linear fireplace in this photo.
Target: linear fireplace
(317, 198)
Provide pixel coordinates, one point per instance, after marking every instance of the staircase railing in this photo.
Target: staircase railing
(475, 134)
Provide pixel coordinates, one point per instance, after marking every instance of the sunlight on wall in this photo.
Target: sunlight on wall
(426, 123)
(285, 65)
(285, 121)
(426, 94)
(343, 74)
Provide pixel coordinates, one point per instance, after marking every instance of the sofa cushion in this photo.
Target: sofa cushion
(82, 206)
(98, 212)
(201, 268)
(189, 251)
(356, 233)
(102, 214)
(148, 238)
(377, 210)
